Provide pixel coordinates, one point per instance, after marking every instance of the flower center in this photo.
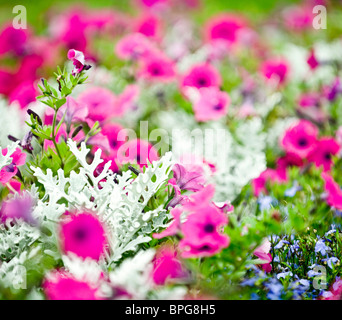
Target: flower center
(302, 142)
(209, 228)
(80, 234)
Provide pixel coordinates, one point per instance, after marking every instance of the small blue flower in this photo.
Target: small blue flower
(265, 202)
(331, 261)
(293, 190)
(321, 247)
(284, 274)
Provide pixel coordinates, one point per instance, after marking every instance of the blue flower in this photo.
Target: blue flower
(321, 247)
(293, 190)
(265, 202)
(331, 261)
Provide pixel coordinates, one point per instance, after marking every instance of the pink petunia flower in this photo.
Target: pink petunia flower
(101, 103)
(18, 208)
(322, 153)
(201, 230)
(312, 60)
(202, 75)
(211, 105)
(298, 18)
(78, 60)
(24, 94)
(334, 191)
(300, 139)
(148, 25)
(9, 171)
(275, 70)
(157, 68)
(310, 99)
(335, 292)
(173, 228)
(186, 179)
(128, 99)
(84, 235)
(269, 175)
(224, 28)
(13, 40)
(134, 47)
(60, 285)
(166, 266)
(73, 111)
(263, 253)
(138, 151)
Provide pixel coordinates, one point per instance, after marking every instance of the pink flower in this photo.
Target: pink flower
(298, 18)
(24, 94)
(84, 235)
(101, 103)
(262, 252)
(275, 70)
(334, 191)
(331, 92)
(300, 139)
(211, 105)
(335, 292)
(202, 236)
(128, 99)
(153, 3)
(167, 266)
(269, 175)
(187, 180)
(323, 151)
(7, 82)
(224, 28)
(202, 75)
(134, 46)
(148, 25)
(9, 171)
(13, 40)
(157, 68)
(18, 208)
(310, 99)
(62, 286)
(173, 228)
(312, 61)
(73, 111)
(77, 58)
(138, 151)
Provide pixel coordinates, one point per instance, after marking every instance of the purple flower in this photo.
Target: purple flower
(321, 247)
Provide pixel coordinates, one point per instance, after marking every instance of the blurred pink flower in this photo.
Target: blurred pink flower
(322, 154)
(202, 75)
(84, 235)
(187, 180)
(9, 171)
(24, 94)
(275, 70)
(18, 208)
(298, 18)
(312, 61)
(335, 292)
(262, 252)
(300, 139)
(137, 151)
(334, 191)
(128, 99)
(73, 111)
(211, 105)
(157, 68)
(201, 230)
(60, 285)
(224, 28)
(166, 266)
(309, 99)
(148, 25)
(269, 175)
(134, 46)
(101, 103)
(173, 228)
(13, 40)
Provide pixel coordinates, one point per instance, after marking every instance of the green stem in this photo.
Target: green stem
(54, 138)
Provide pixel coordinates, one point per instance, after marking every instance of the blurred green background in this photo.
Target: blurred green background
(37, 9)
